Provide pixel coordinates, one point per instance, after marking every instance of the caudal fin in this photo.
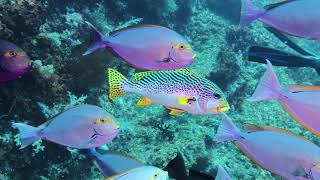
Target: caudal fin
(249, 12)
(277, 57)
(222, 174)
(227, 131)
(268, 88)
(116, 84)
(28, 134)
(98, 40)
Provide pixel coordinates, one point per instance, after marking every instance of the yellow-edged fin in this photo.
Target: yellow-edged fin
(286, 108)
(120, 174)
(176, 112)
(298, 88)
(183, 101)
(255, 128)
(101, 151)
(144, 102)
(254, 159)
(141, 75)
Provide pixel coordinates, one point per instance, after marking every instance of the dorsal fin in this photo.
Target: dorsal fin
(121, 174)
(256, 128)
(141, 75)
(298, 88)
(101, 151)
(116, 32)
(274, 5)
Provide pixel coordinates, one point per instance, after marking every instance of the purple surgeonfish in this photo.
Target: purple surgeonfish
(147, 47)
(301, 102)
(276, 150)
(179, 90)
(111, 163)
(14, 62)
(119, 166)
(295, 17)
(84, 126)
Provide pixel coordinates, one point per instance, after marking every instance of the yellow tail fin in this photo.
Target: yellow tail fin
(116, 82)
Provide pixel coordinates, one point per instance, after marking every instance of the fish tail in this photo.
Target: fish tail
(278, 58)
(227, 131)
(249, 12)
(28, 134)
(98, 40)
(117, 83)
(268, 88)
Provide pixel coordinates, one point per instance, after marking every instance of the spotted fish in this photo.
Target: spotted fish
(179, 90)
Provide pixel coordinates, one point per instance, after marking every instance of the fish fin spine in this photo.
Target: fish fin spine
(268, 87)
(117, 83)
(227, 131)
(98, 40)
(28, 134)
(144, 102)
(249, 12)
(175, 112)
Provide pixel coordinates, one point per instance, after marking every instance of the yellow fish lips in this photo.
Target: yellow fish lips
(224, 107)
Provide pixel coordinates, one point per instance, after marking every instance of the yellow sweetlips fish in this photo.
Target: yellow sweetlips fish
(179, 90)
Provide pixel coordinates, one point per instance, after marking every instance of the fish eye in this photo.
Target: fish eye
(182, 47)
(10, 54)
(217, 96)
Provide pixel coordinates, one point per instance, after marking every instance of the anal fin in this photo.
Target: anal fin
(144, 102)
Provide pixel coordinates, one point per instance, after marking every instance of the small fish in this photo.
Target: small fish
(147, 47)
(294, 17)
(275, 150)
(141, 173)
(14, 62)
(178, 90)
(114, 163)
(302, 57)
(111, 163)
(83, 127)
(301, 102)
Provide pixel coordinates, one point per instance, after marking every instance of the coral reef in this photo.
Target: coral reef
(54, 35)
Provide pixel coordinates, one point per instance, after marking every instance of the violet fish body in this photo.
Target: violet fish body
(272, 149)
(14, 62)
(84, 126)
(111, 163)
(147, 47)
(301, 102)
(298, 18)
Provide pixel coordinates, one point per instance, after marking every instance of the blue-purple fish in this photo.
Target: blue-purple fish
(84, 126)
(295, 17)
(116, 166)
(276, 150)
(14, 62)
(147, 47)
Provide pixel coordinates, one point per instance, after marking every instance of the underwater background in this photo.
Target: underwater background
(54, 34)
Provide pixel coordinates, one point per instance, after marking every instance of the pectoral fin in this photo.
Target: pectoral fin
(176, 112)
(144, 102)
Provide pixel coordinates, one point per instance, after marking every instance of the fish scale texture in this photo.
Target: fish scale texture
(54, 35)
